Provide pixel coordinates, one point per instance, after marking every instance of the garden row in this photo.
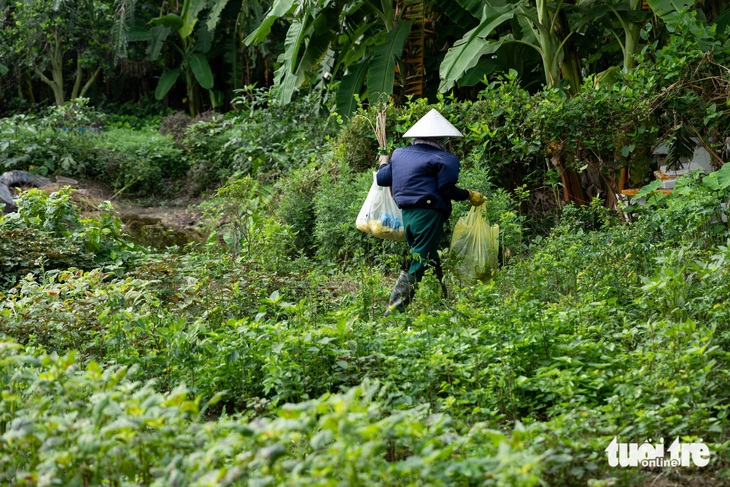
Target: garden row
(169, 368)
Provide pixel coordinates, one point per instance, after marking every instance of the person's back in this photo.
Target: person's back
(423, 178)
(419, 174)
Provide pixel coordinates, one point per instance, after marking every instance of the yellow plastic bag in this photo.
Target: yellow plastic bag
(475, 247)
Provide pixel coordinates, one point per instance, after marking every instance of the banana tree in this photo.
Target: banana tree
(193, 64)
(543, 27)
(246, 69)
(357, 44)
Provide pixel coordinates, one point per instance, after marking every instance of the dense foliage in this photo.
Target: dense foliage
(259, 355)
(617, 331)
(192, 55)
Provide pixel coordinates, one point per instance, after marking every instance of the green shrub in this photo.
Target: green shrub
(241, 223)
(141, 161)
(131, 433)
(28, 143)
(176, 125)
(295, 196)
(137, 115)
(269, 142)
(692, 214)
(48, 232)
(75, 116)
(336, 205)
(205, 144)
(357, 144)
(26, 250)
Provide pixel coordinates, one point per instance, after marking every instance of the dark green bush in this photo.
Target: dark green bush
(135, 115)
(269, 142)
(75, 116)
(25, 250)
(295, 204)
(176, 125)
(206, 147)
(358, 144)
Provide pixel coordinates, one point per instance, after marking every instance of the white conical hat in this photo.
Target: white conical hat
(433, 124)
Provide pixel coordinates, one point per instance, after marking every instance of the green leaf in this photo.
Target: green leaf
(158, 36)
(201, 70)
(648, 189)
(204, 39)
(191, 9)
(285, 76)
(718, 180)
(215, 14)
(474, 7)
(350, 86)
(681, 145)
(722, 21)
(475, 75)
(278, 10)
(167, 81)
(381, 72)
(3, 70)
(138, 34)
(666, 9)
(627, 149)
(457, 13)
(467, 51)
(171, 21)
(322, 36)
(351, 49)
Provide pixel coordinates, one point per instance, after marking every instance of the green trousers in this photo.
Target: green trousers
(423, 228)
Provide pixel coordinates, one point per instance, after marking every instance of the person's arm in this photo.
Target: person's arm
(452, 192)
(385, 175)
(448, 176)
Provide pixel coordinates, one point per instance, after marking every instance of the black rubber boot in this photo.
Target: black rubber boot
(402, 293)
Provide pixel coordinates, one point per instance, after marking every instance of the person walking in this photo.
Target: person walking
(423, 178)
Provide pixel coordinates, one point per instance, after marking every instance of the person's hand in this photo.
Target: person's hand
(476, 198)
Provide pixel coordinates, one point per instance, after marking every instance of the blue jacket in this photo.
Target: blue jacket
(423, 176)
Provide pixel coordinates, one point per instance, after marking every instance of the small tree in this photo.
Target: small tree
(193, 44)
(55, 39)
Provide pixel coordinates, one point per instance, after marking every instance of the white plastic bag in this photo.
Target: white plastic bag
(380, 215)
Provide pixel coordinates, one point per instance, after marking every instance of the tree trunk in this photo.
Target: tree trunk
(632, 37)
(572, 189)
(77, 80)
(53, 84)
(55, 53)
(190, 85)
(79, 90)
(547, 44)
(571, 66)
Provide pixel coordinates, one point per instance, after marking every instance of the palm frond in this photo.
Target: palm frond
(467, 51)
(680, 145)
(123, 21)
(215, 13)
